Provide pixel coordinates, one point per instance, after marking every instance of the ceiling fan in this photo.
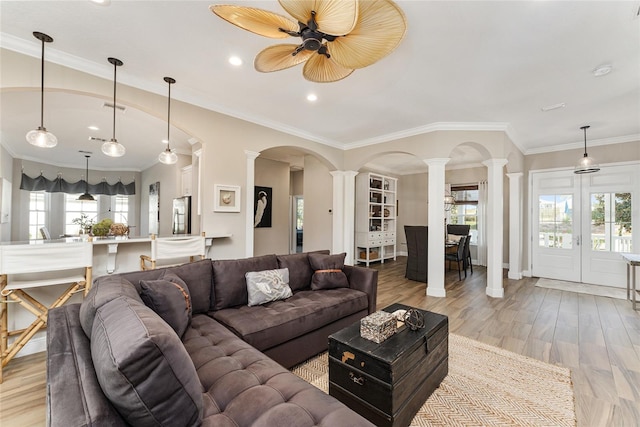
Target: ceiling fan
(338, 36)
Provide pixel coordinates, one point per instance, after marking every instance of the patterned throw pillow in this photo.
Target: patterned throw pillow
(267, 285)
(328, 271)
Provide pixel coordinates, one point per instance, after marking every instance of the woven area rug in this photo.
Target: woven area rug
(583, 288)
(486, 386)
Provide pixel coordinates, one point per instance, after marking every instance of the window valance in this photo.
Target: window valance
(59, 185)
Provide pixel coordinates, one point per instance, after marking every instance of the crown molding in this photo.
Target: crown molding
(580, 145)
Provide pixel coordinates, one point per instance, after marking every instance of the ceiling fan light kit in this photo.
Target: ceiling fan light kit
(168, 157)
(586, 164)
(338, 37)
(112, 147)
(40, 137)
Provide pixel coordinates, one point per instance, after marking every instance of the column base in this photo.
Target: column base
(436, 292)
(495, 293)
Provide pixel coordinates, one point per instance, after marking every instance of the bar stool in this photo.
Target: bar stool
(26, 266)
(172, 248)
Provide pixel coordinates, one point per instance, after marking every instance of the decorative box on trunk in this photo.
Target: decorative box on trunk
(378, 326)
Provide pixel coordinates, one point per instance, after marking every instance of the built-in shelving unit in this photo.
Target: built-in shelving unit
(376, 211)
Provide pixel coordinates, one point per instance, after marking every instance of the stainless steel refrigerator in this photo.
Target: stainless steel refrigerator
(182, 215)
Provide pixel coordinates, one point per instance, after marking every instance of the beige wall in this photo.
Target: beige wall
(297, 183)
(170, 179)
(413, 196)
(318, 201)
(274, 239)
(6, 171)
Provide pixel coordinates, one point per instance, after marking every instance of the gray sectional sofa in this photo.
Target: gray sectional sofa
(181, 346)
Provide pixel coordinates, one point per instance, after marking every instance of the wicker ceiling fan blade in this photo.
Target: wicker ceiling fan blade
(257, 21)
(279, 57)
(334, 17)
(321, 69)
(381, 26)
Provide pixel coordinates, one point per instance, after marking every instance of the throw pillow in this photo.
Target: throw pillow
(268, 285)
(143, 368)
(453, 238)
(328, 272)
(169, 298)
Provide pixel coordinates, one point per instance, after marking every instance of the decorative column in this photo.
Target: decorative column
(251, 177)
(495, 226)
(343, 224)
(435, 252)
(337, 213)
(515, 225)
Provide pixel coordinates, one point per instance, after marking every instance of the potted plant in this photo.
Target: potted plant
(84, 222)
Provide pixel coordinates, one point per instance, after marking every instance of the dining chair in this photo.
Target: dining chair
(467, 255)
(171, 249)
(458, 256)
(24, 267)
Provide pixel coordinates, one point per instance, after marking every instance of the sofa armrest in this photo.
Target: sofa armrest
(74, 396)
(365, 280)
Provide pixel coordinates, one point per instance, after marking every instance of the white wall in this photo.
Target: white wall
(318, 201)
(274, 239)
(6, 172)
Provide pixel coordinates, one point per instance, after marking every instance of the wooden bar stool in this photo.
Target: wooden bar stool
(172, 248)
(26, 266)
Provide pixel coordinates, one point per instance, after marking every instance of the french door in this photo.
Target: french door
(581, 224)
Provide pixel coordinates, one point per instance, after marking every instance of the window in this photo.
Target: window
(611, 222)
(74, 210)
(555, 222)
(465, 211)
(120, 209)
(37, 213)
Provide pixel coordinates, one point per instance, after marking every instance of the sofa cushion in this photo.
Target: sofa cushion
(169, 297)
(267, 285)
(106, 288)
(328, 272)
(229, 283)
(143, 367)
(277, 322)
(199, 278)
(243, 387)
(300, 270)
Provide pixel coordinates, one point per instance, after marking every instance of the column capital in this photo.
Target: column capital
(436, 162)
(515, 175)
(251, 155)
(495, 162)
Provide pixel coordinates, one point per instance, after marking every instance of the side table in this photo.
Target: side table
(633, 261)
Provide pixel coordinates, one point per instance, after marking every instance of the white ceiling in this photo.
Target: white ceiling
(469, 65)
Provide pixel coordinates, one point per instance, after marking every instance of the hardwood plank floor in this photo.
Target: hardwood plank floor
(598, 338)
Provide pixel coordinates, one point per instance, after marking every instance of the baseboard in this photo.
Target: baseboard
(33, 346)
(402, 253)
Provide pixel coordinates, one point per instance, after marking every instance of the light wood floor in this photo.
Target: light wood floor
(597, 338)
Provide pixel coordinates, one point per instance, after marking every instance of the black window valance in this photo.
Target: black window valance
(59, 185)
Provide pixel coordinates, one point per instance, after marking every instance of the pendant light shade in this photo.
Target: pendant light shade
(40, 137)
(168, 157)
(86, 197)
(586, 164)
(112, 147)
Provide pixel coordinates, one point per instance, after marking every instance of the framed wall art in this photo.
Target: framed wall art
(226, 198)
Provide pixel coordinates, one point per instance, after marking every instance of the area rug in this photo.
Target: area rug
(486, 386)
(582, 288)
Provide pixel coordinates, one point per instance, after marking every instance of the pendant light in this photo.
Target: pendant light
(112, 147)
(168, 157)
(86, 197)
(40, 137)
(586, 163)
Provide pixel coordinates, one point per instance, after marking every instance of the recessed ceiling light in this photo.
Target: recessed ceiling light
(94, 128)
(554, 106)
(101, 2)
(602, 70)
(312, 97)
(235, 60)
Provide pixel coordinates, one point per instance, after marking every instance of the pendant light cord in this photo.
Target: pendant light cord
(115, 70)
(169, 117)
(584, 128)
(42, 87)
(86, 181)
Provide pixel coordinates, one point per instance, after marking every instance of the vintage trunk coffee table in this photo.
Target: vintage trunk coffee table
(388, 382)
